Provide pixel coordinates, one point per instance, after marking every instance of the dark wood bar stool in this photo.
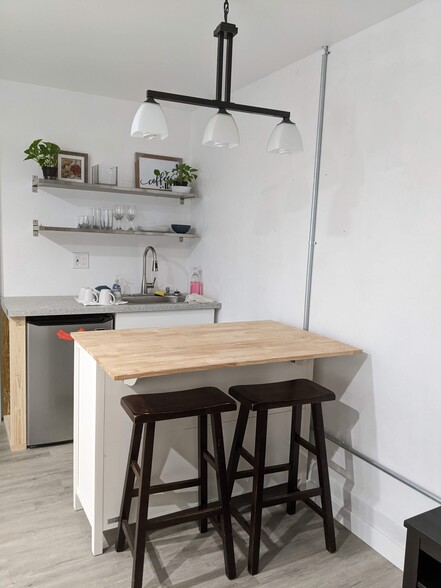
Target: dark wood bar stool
(260, 398)
(145, 410)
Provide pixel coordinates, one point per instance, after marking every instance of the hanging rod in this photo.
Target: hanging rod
(218, 104)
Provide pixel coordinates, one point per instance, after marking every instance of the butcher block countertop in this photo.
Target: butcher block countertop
(143, 353)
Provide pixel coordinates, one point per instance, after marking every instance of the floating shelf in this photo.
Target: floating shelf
(59, 184)
(37, 229)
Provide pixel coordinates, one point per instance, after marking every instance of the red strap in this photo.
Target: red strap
(67, 336)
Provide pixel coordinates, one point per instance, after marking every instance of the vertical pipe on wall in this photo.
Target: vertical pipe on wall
(315, 189)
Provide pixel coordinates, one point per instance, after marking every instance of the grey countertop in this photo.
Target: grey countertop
(14, 306)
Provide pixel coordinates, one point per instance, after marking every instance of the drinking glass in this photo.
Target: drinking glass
(119, 213)
(131, 214)
(107, 219)
(96, 213)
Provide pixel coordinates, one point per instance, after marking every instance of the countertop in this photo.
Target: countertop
(15, 306)
(143, 353)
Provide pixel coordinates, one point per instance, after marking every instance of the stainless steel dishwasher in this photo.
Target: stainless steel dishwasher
(50, 357)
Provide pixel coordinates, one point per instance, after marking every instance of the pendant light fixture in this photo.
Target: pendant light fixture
(221, 130)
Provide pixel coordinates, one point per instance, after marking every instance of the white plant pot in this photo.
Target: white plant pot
(181, 189)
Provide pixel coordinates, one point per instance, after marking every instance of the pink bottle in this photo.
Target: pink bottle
(195, 282)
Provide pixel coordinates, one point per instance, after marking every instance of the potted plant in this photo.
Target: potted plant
(179, 177)
(46, 155)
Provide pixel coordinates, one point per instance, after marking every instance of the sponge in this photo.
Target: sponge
(159, 293)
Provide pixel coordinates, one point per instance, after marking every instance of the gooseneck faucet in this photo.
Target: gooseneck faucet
(144, 284)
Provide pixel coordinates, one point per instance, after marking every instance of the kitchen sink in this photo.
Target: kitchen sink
(152, 299)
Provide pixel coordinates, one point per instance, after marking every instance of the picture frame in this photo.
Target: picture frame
(73, 167)
(145, 163)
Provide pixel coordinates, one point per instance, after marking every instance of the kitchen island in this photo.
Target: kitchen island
(162, 360)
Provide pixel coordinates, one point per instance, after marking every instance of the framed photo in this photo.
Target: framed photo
(144, 166)
(73, 167)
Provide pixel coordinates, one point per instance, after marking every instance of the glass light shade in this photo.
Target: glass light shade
(149, 122)
(285, 139)
(221, 131)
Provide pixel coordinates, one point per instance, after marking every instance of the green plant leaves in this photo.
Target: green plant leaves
(44, 153)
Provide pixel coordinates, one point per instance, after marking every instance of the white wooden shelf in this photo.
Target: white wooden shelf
(37, 229)
(80, 187)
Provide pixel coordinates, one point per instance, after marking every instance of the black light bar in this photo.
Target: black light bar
(217, 104)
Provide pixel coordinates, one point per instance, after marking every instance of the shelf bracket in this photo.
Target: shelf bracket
(181, 239)
(34, 183)
(182, 200)
(35, 226)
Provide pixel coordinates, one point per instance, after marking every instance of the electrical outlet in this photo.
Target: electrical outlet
(80, 261)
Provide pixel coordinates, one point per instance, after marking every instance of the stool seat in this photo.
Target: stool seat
(279, 394)
(143, 408)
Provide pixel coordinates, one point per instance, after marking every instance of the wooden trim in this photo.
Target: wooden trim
(17, 346)
(6, 408)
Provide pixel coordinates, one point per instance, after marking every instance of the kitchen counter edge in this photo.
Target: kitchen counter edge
(18, 306)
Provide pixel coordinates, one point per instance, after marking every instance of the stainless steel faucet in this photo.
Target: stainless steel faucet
(144, 284)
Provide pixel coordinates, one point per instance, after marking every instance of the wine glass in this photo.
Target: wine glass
(118, 213)
(131, 214)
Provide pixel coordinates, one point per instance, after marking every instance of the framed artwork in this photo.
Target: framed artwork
(73, 167)
(144, 166)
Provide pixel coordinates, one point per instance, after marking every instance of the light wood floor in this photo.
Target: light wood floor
(44, 543)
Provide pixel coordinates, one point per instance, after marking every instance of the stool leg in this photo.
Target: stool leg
(411, 559)
(257, 494)
(143, 505)
(239, 434)
(128, 485)
(293, 474)
(202, 466)
(323, 473)
(222, 486)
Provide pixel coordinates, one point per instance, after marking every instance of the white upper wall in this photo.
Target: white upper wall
(100, 127)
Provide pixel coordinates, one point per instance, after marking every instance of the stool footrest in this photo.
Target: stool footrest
(169, 486)
(241, 519)
(209, 459)
(127, 530)
(315, 507)
(136, 469)
(306, 444)
(183, 516)
(274, 469)
(247, 456)
(297, 495)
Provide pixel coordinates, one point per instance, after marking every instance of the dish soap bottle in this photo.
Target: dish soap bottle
(195, 282)
(116, 289)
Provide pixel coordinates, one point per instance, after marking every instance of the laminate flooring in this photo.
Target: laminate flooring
(44, 543)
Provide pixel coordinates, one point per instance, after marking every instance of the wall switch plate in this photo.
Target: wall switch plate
(80, 261)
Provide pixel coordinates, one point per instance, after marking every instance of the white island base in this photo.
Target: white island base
(102, 433)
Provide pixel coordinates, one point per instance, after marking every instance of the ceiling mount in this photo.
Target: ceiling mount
(221, 130)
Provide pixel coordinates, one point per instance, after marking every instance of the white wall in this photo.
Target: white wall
(376, 280)
(100, 127)
(255, 207)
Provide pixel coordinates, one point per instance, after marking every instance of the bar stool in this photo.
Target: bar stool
(260, 398)
(145, 410)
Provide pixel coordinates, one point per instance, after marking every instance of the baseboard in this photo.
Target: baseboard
(370, 503)
(384, 545)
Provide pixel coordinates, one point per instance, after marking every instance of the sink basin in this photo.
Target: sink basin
(152, 299)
